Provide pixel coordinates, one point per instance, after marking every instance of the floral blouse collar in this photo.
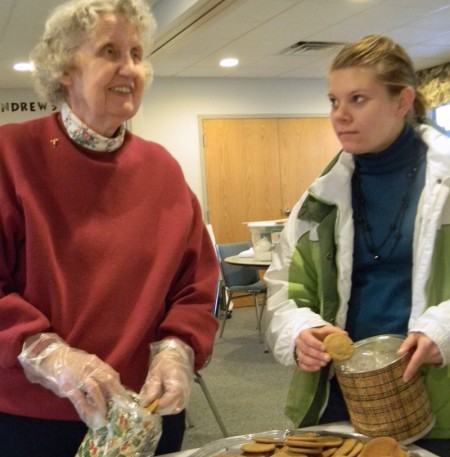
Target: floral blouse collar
(81, 134)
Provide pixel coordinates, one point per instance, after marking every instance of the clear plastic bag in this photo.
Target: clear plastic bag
(130, 431)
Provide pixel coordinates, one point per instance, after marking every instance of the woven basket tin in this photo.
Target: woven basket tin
(378, 401)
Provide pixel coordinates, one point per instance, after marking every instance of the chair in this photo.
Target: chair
(242, 280)
(200, 381)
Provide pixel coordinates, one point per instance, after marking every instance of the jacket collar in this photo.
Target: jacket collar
(333, 186)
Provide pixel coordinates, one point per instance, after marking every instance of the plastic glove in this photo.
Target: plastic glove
(170, 376)
(83, 378)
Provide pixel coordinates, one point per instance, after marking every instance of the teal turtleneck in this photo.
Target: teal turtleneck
(382, 261)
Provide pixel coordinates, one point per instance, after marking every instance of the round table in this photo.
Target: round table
(247, 261)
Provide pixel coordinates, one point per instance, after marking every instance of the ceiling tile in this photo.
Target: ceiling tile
(257, 31)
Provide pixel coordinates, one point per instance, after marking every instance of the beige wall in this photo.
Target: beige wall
(172, 109)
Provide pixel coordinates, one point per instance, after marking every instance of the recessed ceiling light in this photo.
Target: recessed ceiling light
(23, 66)
(229, 62)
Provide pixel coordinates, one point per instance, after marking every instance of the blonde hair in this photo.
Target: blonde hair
(68, 26)
(391, 64)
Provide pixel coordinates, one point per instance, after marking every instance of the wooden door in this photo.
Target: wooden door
(306, 146)
(255, 169)
(242, 171)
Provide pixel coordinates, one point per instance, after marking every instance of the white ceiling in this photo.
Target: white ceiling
(194, 34)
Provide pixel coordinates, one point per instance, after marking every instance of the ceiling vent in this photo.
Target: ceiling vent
(313, 47)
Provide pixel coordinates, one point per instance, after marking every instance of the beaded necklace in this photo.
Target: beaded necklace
(394, 233)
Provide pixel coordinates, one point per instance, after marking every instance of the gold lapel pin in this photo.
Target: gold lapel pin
(54, 142)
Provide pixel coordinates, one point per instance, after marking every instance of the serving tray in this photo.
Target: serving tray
(232, 445)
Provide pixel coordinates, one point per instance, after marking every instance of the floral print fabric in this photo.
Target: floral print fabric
(131, 431)
(86, 137)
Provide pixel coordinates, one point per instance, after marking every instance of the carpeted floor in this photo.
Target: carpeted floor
(248, 386)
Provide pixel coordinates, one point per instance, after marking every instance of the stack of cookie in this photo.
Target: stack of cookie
(313, 445)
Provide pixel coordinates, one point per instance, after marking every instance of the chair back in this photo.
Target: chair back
(235, 275)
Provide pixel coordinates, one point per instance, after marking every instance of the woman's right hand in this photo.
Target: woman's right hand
(83, 378)
(309, 349)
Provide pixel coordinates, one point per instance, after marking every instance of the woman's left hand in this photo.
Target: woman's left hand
(423, 351)
(170, 377)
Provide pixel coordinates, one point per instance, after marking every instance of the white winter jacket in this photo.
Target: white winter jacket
(309, 280)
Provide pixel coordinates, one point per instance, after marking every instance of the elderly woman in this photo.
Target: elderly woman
(107, 271)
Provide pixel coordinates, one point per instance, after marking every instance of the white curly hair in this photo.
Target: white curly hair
(68, 26)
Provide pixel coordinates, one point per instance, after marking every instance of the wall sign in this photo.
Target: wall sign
(19, 105)
(26, 106)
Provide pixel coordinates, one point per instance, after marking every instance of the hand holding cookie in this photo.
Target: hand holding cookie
(151, 408)
(339, 346)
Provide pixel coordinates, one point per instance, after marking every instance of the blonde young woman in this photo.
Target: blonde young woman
(107, 272)
(366, 249)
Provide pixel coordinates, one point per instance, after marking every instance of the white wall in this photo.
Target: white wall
(173, 107)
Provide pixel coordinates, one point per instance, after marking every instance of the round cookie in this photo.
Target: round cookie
(258, 448)
(382, 446)
(268, 440)
(339, 346)
(330, 440)
(304, 444)
(303, 437)
(305, 451)
(347, 446)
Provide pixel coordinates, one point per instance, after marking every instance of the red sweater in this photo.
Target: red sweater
(109, 251)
